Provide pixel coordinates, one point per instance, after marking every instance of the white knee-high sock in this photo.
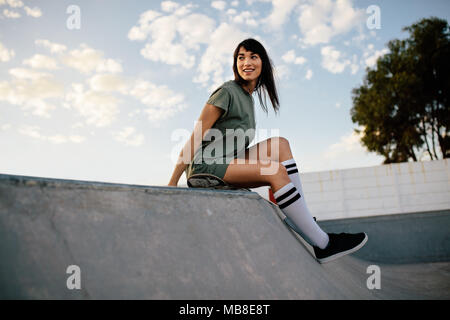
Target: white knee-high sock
(294, 175)
(293, 205)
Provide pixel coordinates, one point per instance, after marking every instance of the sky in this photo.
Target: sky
(108, 90)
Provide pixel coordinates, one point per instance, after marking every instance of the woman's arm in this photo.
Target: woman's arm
(209, 115)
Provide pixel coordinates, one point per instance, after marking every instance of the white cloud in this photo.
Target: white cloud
(5, 53)
(5, 127)
(321, 20)
(246, 17)
(76, 138)
(35, 132)
(140, 32)
(281, 9)
(98, 108)
(59, 138)
(22, 73)
(176, 39)
(87, 60)
(108, 83)
(344, 17)
(354, 66)
(129, 136)
(11, 14)
(137, 34)
(162, 32)
(349, 153)
(39, 61)
(231, 12)
(53, 47)
(332, 60)
(169, 6)
(219, 5)
(217, 56)
(313, 22)
(371, 56)
(250, 2)
(33, 12)
(184, 10)
(282, 71)
(30, 131)
(31, 90)
(14, 3)
(309, 74)
(97, 101)
(109, 65)
(347, 143)
(194, 30)
(290, 57)
(344, 154)
(235, 3)
(169, 53)
(161, 102)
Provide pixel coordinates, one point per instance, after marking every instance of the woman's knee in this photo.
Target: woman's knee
(275, 171)
(284, 143)
(278, 147)
(277, 176)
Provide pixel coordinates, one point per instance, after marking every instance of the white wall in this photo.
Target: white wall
(386, 189)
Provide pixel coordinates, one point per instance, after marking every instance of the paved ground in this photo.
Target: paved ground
(138, 242)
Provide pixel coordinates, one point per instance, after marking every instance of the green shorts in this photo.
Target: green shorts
(215, 169)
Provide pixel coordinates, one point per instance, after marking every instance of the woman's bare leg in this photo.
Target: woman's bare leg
(276, 152)
(262, 165)
(259, 168)
(274, 149)
(243, 174)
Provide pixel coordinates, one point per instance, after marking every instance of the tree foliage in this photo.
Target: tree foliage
(403, 104)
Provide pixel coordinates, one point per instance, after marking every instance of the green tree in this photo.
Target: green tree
(403, 104)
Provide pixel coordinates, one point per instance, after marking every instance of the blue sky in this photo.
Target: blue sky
(115, 99)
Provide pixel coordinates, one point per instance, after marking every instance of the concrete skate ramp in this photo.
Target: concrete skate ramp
(139, 242)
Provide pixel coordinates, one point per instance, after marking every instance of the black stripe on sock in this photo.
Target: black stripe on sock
(290, 166)
(292, 171)
(285, 195)
(284, 205)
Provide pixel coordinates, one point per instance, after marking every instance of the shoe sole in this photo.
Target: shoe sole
(344, 253)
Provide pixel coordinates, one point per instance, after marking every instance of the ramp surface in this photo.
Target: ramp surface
(139, 242)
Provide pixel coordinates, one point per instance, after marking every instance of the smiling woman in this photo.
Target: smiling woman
(252, 65)
(229, 114)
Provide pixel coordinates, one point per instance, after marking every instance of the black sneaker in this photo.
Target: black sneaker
(340, 245)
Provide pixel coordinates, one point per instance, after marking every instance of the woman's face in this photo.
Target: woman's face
(249, 65)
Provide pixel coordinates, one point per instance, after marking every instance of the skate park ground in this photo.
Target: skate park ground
(146, 242)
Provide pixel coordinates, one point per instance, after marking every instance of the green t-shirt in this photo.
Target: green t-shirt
(234, 130)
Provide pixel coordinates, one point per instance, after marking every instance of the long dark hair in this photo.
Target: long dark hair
(266, 82)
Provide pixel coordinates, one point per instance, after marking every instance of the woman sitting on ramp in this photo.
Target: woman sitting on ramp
(231, 106)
